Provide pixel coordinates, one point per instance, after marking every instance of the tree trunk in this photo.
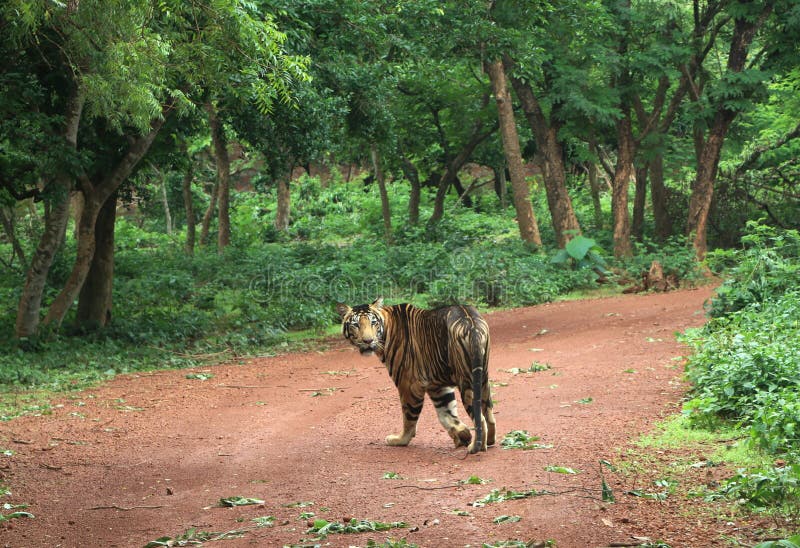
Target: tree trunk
(639, 200)
(284, 204)
(385, 206)
(7, 218)
(659, 195)
(526, 220)
(454, 165)
(500, 185)
(95, 196)
(223, 177)
(30, 302)
(188, 205)
(162, 187)
(619, 196)
(411, 173)
(95, 298)
(703, 186)
(594, 187)
(165, 201)
(205, 225)
(565, 222)
(708, 158)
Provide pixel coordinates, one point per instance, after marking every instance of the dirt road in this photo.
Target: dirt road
(149, 456)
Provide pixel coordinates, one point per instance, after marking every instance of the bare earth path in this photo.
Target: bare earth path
(147, 456)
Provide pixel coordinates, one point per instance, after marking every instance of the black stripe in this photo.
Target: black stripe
(443, 400)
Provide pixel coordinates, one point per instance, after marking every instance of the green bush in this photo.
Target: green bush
(745, 364)
(744, 360)
(767, 265)
(773, 488)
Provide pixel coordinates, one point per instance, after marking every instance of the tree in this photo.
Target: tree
(735, 86)
(526, 220)
(116, 75)
(552, 57)
(223, 165)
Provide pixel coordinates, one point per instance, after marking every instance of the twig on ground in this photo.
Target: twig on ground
(124, 508)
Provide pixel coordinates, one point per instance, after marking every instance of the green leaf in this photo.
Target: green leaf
(520, 439)
(392, 475)
(579, 246)
(239, 501)
(560, 469)
(607, 493)
(506, 519)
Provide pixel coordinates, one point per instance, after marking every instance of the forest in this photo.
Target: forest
(190, 181)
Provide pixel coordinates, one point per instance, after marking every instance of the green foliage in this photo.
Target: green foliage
(791, 542)
(581, 252)
(767, 265)
(193, 537)
(521, 439)
(676, 256)
(16, 514)
(322, 528)
(239, 501)
(502, 495)
(772, 488)
(744, 367)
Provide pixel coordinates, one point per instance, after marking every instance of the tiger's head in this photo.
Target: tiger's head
(363, 325)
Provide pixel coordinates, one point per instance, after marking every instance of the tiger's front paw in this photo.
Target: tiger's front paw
(395, 440)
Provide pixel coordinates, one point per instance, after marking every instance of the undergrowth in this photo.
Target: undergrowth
(745, 369)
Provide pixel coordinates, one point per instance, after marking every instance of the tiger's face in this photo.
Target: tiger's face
(363, 326)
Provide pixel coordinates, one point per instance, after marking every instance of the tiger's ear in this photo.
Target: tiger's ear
(342, 309)
(378, 303)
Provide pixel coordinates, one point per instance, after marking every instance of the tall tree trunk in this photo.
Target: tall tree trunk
(703, 186)
(708, 158)
(165, 201)
(594, 187)
(162, 187)
(411, 173)
(95, 298)
(386, 209)
(659, 195)
(619, 195)
(223, 177)
(30, 302)
(565, 222)
(95, 196)
(639, 200)
(188, 205)
(205, 225)
(526, 220)
(284, 204)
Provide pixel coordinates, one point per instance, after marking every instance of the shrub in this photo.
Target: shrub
(767, 265)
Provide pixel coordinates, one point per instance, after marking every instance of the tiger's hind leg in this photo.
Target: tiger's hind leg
(489, 416)
(486, 404)
(412, 407)
(444, 399)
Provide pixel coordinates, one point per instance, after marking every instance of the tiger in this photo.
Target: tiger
(429, 352)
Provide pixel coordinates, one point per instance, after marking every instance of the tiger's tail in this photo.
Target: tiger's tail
(478, 364)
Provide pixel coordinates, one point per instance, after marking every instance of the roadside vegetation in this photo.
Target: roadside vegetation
(743, 410)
